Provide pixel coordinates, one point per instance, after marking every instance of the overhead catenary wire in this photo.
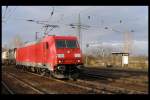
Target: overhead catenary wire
(5, 11)
(51, 14)
(101, 27)
(92, 26)
(86, 10)
(48, 25)
(29, 20)
(8, 11)
(11, 14)
(65, 17)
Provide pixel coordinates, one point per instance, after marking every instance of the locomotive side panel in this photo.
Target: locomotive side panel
(31, 55)
(50, 52)
(62, 60)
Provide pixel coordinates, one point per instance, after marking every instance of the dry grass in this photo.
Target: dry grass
(134, 62)
(138, 62)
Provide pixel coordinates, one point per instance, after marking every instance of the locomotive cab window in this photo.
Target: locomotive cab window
(71, 43)
(60, 44)
(66, 44)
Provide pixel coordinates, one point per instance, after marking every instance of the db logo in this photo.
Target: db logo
(68, 51)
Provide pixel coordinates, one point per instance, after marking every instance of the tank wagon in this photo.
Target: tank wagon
(60, 56)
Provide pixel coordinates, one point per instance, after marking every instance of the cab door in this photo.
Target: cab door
(45, 52)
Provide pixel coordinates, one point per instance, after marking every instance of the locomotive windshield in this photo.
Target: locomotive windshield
(71, 43)
(66, 43)
(60, 44)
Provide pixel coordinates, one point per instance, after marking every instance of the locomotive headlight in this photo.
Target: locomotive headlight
(78, 61)
(60, 55)
(59, 61)
(77, 55)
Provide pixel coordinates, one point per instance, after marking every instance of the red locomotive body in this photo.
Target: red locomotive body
(59, 55)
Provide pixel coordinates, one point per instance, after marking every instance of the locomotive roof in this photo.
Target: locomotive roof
(45, 37)
(31, 42)
(65, 37)
(58, 37)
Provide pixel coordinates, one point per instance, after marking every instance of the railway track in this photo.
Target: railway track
(113, 89)
(120, 81)
(38, 91)
(75, 84)
(7, 88)
(107, 76)
(87, 87)
(94, 87)
(110, 78)
(120, 70)
(91, 87)
(90, 90)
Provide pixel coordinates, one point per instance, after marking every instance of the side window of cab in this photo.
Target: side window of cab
(46, 45)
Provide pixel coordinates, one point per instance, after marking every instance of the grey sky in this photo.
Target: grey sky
(132, 17)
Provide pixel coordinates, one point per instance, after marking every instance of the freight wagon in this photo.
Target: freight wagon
(8, 57)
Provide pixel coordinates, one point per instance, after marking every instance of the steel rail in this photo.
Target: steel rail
(7, 88)
(103, 89)
(111, 87)
(26, 83)
(71, 84)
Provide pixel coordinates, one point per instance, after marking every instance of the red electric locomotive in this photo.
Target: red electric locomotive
(58, 55)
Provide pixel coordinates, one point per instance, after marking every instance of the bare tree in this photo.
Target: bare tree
(17, 41)
(5, 47)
